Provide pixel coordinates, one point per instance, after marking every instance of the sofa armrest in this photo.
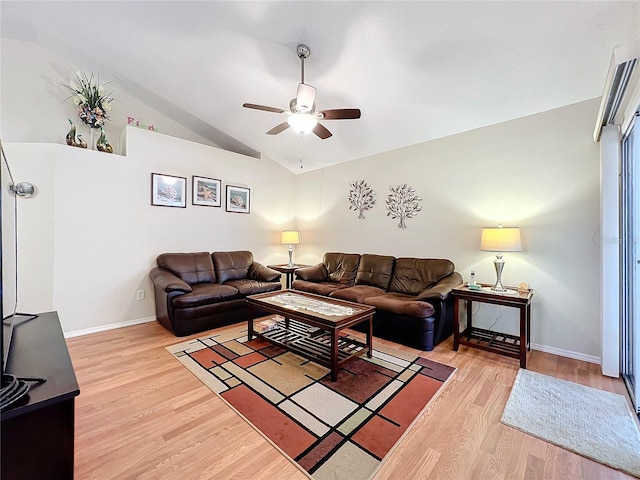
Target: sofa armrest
(441, 290)
(317, 273)
(257, 271)
(167, 281)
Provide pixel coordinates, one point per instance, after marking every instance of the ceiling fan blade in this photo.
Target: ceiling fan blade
(341, 113)
(321, 131)
(262, 107)
(305, 98)
(278, 128)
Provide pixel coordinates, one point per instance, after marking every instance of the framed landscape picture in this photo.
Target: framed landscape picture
(168, 190)
(238, 199)
(206, 191)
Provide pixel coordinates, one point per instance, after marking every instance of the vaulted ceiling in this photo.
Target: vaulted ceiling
(417, 70)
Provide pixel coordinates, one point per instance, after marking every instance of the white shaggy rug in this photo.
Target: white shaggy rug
(593, 423)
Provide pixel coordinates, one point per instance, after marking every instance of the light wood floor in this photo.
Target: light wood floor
(142, 415)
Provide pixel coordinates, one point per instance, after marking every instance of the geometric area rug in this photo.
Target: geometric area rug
(330, 430)
(590, 422)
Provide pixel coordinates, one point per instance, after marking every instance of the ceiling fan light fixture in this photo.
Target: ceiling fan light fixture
(302, 122)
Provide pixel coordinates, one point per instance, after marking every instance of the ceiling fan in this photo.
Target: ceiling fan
(302, 115)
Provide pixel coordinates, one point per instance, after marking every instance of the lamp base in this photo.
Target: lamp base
(291, 264)
(498, 263)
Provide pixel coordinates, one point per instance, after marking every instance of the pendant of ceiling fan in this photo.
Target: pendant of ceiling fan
(302, 115)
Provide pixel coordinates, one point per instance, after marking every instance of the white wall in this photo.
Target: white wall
(539, 172)
(90, 236)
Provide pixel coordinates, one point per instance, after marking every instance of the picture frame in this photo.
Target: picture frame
(238, 199)
(206, 191)
(168, 190)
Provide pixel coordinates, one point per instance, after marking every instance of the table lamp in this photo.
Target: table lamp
(291, 237)
(499, 239)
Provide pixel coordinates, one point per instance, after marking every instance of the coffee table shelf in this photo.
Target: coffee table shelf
(315, 345)
(312, 325)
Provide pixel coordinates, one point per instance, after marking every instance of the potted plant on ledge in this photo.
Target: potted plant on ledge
(94, 104)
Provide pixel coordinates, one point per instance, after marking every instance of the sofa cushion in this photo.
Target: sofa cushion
(317, 273)
(257, 271)
(191, 267)
(232, 265)
(375, 270)
(204, 294)
(357, 293)
(248, 286)
(319, 288)
(341, 267)
(412, 275)
(401, 304)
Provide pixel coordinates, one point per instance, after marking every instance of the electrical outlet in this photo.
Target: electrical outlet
(140, 295)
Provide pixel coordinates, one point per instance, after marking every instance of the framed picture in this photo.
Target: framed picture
(168, 191)
(206, 191)
(238, 199)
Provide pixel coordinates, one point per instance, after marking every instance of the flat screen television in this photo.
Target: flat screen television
(8, 256)
(14, 388)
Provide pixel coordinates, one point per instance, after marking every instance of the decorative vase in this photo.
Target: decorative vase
(103, 144)
(71, 136)
(92, 142)
(81, 142)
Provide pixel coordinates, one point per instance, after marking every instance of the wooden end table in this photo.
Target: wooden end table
(288, 271)
(501, 343)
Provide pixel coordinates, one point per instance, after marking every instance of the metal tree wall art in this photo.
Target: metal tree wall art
(361, 197)
(402, 203)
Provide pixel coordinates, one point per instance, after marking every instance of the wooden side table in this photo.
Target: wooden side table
(504, 344)
(288, 271)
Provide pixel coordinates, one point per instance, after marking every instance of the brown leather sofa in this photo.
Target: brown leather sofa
(411, 295)
(199, 291)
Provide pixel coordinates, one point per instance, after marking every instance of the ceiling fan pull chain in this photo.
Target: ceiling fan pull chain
(301, 140)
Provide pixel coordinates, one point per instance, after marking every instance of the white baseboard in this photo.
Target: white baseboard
(110, 326)
(534, 346)
(566, 353)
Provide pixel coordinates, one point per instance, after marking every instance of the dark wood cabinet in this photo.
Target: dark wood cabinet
(38, 431)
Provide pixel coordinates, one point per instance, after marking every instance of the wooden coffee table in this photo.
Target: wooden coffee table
(312, 324)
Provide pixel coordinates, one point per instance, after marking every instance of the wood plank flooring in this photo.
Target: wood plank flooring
(142, 415)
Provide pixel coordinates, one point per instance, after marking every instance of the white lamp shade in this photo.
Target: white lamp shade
(499, 239)
(290, 237)
(305, 98)
(302, 122)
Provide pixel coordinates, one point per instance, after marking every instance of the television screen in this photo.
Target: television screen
(8, 256)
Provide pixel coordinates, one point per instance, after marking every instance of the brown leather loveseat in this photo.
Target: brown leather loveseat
(411, 295)
(199, 291)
